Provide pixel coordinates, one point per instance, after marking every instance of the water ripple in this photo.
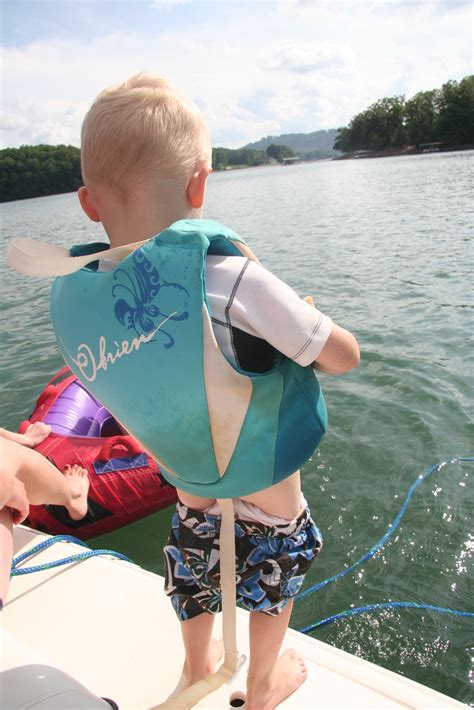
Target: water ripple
(385, 248)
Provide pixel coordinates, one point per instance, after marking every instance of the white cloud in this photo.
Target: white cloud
(13, 121)
(302, 57)
(169, 4)
(50, 122)
(312, 65)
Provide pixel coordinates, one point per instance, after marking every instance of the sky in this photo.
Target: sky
(258, 68)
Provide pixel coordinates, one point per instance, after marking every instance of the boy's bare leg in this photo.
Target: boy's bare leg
(43, 482)
(271, 678)
(202, 652)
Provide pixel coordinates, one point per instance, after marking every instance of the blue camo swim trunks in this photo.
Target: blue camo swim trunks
(271, 562)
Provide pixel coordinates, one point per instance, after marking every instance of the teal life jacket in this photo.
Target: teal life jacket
(140, 339)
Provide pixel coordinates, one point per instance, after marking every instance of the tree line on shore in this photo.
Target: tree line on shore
(39, 170)
(444, 116)
(225, 158)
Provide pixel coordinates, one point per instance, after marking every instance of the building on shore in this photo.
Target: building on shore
(291, 160)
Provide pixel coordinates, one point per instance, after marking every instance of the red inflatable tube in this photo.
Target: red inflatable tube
(125, 483)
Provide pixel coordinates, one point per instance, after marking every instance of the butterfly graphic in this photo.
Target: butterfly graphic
(136, 307)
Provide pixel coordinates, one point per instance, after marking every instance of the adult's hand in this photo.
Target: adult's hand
(18, 502)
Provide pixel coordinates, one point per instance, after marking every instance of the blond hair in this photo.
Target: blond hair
(142, 128)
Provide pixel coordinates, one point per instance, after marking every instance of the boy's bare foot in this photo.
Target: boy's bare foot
(78, 483)
(36, 433)
(216, 654)
(289, 673)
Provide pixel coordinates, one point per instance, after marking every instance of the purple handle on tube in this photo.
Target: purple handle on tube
(77, 413)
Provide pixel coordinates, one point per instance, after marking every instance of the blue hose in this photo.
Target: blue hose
(17, 571)
(391, 529)
(385, 605)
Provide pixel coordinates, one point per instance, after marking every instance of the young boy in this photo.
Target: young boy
(146, 157)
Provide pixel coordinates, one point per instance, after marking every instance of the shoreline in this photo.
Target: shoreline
(357, 155)
(407, 150)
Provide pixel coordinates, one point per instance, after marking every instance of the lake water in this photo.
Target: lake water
(385, 248)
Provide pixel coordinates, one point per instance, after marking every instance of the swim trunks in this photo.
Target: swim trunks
(271, 562)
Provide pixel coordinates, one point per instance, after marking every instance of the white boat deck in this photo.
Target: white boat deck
(109, 625)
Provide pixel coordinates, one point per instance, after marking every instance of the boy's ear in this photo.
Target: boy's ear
(196, 189)
(87, 204)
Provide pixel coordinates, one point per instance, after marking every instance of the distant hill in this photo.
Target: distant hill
(318, 144)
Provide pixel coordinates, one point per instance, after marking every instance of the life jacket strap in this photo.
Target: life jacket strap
(228, 584)
(189, 697)
(36, 258)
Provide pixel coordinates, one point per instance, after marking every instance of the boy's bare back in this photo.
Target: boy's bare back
(283, 500)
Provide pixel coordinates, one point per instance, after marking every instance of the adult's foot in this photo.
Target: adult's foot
(289, 673)
(77, 481)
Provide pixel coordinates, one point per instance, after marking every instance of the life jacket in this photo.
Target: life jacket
(140, 339)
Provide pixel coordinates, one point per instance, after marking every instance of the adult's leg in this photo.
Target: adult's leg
(271, 678)
(6, 552)
(43, 482)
